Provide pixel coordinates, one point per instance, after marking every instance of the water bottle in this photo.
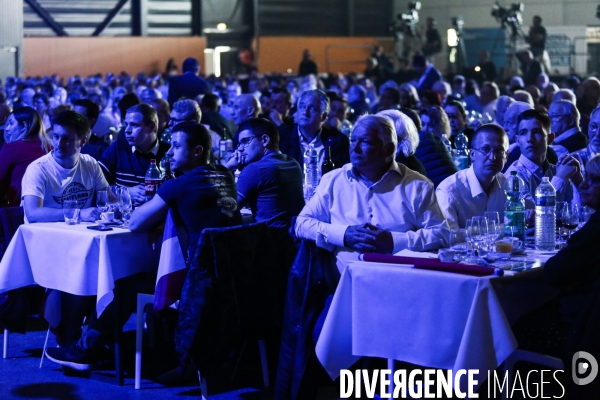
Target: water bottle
(165, 168)
(461, 157)
(311, 172)
(346, 127)
(152, 181)
(166, 136)
(514, 208)
(545, 218)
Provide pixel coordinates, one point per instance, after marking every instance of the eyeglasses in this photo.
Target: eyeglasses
(488, 151)
(245, 142)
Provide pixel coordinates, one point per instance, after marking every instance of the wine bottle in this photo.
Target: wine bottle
(328, 164)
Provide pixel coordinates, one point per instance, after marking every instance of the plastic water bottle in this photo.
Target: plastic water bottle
(514, 208)
(545, 217)
(461, 158)
(311, 172)
(152, 181)
(346, 127)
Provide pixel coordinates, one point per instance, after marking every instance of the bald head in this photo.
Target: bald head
(245, 106)
(511, 123)
(523, 96)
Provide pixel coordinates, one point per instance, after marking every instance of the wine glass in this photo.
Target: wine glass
(125, 205)
(491, 235)
(458, 243)
(475, 236)
(492, 216)
(560, 206)
(102, 200)
(570, 218)
(113, 197)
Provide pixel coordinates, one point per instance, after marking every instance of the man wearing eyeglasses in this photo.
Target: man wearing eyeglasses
(565, 125)
(473, 191)
(270, 182)
(533, 137)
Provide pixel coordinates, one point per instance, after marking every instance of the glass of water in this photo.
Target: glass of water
(71, 212)
(125, 205)
(458, 243)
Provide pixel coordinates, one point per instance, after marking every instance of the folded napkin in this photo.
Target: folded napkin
(433, 264)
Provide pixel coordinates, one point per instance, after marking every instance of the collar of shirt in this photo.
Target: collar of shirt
(475, 185)
(532, 167)
(351, 175)
(565, 135)
(153, 150)
(316, 142)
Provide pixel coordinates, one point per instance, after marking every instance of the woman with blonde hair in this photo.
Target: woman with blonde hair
(26, 141)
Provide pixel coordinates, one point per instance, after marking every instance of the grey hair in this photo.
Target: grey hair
(525, 97)
(384, 126)
(320, 95)
(571, 107)
(190, 108)
(564, 94)
(408, 136)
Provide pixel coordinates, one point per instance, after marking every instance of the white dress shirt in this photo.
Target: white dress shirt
(461, 197)
(532, 174)
(402, 202)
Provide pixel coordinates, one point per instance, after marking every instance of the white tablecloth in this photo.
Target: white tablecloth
(429, 318)
(74, 259)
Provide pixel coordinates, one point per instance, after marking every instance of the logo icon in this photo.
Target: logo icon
(584, 363)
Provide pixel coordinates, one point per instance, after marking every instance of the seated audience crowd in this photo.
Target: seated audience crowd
(391, 183)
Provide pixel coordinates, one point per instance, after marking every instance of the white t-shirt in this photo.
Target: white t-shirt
(45, 179)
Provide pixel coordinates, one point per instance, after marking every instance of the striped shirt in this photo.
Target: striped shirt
(124, 167)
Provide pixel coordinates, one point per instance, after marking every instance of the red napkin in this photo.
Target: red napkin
(433, 264)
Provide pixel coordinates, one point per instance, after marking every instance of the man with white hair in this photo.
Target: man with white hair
(245, 106)
(408, 140)
(393, 208)
(501, 107)
(479, 188)
(593, 149)
(565, 125)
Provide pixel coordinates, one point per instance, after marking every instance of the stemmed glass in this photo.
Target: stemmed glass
(570, 218)
(125, 205)
(476, 234)
(113, 197)
(492, 234)
(102, 200)
(560, 207)
(492, 216)
(458, 243)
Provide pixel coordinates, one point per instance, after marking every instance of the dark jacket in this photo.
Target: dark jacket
(217, 123)
(289, 143)
(234, 292)
(312, 279)
(411, 162)
(435, 158)
(187, 86)
(431, 77)
(574, 142)
(576, 271)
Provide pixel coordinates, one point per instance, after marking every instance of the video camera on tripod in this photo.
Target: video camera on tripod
(407, 22)
(509, 17)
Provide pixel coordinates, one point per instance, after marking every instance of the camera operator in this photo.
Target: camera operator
(537, 37)
(433, 43)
